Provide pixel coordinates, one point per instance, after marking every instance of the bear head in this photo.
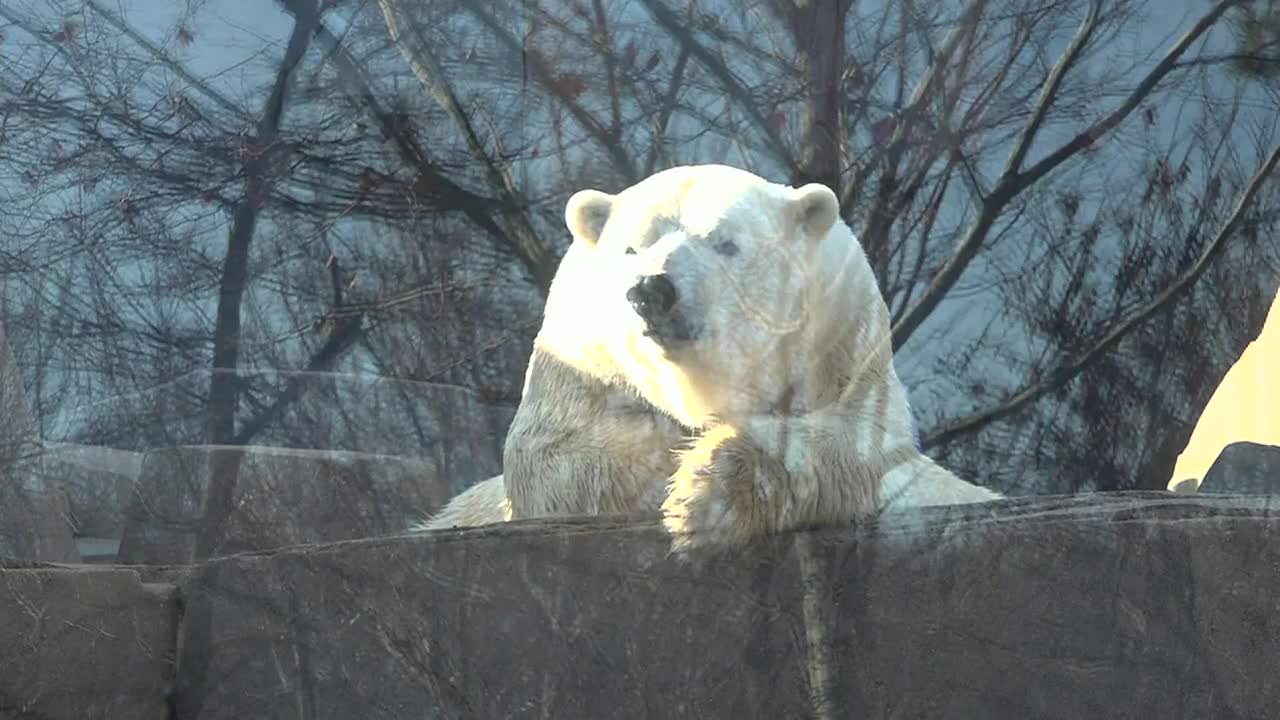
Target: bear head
(739, 288)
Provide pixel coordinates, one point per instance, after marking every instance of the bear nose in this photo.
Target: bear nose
(652, 293)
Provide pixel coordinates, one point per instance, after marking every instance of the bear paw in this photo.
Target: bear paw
(712, 499)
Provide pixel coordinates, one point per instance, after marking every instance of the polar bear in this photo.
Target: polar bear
(693, 309)
(757, 321)
(583, 441)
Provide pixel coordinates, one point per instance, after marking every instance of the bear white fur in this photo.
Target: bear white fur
(768, 335)
(773, 362)
(582, 441)
(484, 503)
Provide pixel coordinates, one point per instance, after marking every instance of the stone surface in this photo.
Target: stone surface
(35, 519)
(98, 482)
(448, 427)
(85, 644)
(1122, 606)
(284, 497)
(382, 452)
(1244, 467)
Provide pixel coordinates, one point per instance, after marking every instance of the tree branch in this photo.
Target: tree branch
(475, 208)
(878, 219)
(344, 333)
(668, 107)
(527, 246)
(1067, 371)
(610, 68)
(670, 22)
(622, 161)
(1011, 184)
(170, 62)
(1135, 98)
(1050, 91)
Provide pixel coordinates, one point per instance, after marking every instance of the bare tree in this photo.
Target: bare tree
(1052, 224)
(949, 163)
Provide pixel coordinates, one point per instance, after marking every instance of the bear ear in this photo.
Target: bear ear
(586, 213)
(815, 208)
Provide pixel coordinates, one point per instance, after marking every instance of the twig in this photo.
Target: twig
(668, 107)
(476, 208)
(878, 219)
(543, 74)
(170, 62)
(1050, 91)
(343, 335)
(1013, 181)
(1166, 297)
(670, 22)
(528, 247)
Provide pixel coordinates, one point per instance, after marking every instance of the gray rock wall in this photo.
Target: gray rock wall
(1117, 607)
(85, 644)
(1123, 606)
(283, 497)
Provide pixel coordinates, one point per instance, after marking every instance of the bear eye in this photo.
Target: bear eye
(630, 251)
(726, 248)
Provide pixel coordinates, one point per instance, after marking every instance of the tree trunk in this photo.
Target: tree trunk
(817, 28)
(224, 384)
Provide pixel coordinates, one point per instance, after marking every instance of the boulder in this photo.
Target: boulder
(451, 427)
(1244, 467)
(35, 519)
(98, 481)
(85, 644)
(1133, 605)
(283, 497)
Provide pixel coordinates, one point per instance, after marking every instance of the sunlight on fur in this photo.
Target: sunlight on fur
(714, 349)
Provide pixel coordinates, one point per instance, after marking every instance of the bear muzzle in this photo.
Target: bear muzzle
(654, 297)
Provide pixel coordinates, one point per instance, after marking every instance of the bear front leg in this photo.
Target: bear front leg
(771, 474)
(711, 498)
